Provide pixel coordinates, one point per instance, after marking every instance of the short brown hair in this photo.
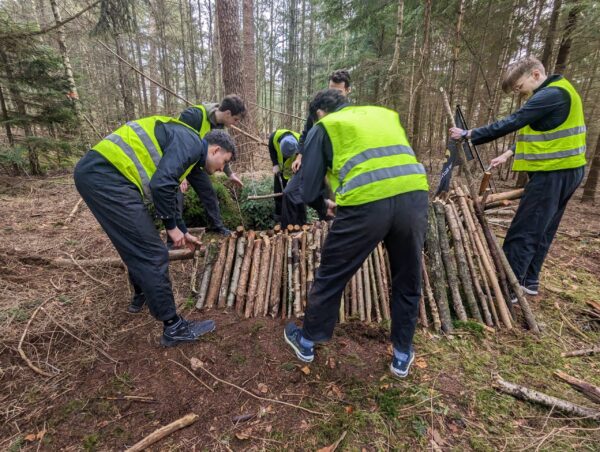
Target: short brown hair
(233, 103)
(341, 76)
(519, 68)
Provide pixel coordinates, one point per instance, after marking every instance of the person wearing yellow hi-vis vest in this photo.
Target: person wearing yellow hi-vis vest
(550, 147)
(203, 118)
(141, 163)
(381, 195)
(283, 147)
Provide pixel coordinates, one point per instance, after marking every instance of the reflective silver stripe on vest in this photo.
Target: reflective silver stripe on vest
(128, 150)
(530, 138)
(550, 155)
(384, 151)
(381, 174)
(148, 143)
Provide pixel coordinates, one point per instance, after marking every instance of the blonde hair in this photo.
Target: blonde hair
(519, 68)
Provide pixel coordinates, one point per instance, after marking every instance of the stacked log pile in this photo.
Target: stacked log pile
(465, 274)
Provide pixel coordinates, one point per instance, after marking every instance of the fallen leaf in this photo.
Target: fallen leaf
(196, 363)
(331, 363)
(349, 409)
(263, 388)
(421, 364)
(305, 370)
(244, 434)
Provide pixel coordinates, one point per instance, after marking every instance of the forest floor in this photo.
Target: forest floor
(100, 356)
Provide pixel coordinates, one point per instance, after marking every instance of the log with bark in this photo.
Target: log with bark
(508, 195)
(164, 431)
(435, 316)
(237, 267)
(209, 257)
(240, 291)
(263, 276)
(217, 275)
(223, 291)
(275, 297)
(589, 390)
(254, 273)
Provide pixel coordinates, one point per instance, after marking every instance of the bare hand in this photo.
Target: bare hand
(236, 180)
(296, 164)
(177, 237)
(275, 169)
(500, 160)
(191, 241)
(456, 133)
(330, 207)
(184, 186)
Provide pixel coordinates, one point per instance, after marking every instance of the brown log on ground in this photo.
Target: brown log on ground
(435, 315)
(296, 274)
(485, 181)
(503, 203)
(385, 281)
(222, 302)
(342, 312)
(284, 274)
(174, 255)
(516, 287)
(380, 278)
(275, 297)
(290, 228)
(303, 271)
(310, 277)
(263, 276)
(325, 232)
(317, 245)
(488, 292)
(290, 280)
(209, 257)
(449, 261)
(461, 260)
(353, 297)
(437, 273)
(582, 352)
(277, 228)
(476, 236)
(367, 290)
(361, 294)
(348, 298)
(267, 196)
(472, 271)
(194, 272)
(237, 267)
(589, 390)
(508, 195)
(254, 272)
(217, 275)
(162, 432)
(423, 312)
(373, 283)
(267, 297)
(530, 395)
(240, 291)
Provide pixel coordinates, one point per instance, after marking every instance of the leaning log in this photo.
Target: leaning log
(162, 432)
(508, 195)
(240, 291)
(589, 390)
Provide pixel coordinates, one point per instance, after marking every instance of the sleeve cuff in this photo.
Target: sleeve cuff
(169, 223)
(181, 225)
(227, 170)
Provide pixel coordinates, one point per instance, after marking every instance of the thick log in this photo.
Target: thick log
(353, 296)
(589, 390)
(361, 294)
(217, 275)
(582, 352)
(508, 195)
(437, 272)
(530, 395)
(296, 273)
(254, 272)
(423, 312)
(222, 302)
(303, 271)
(374, 286)
(174, 255)
(290, 280)
(263, 276)
(237, 266)
(318, 247)
(449, 261)
(386, 280)
(310, 277)
(485, 181)
(240, 291)
(267, 196)
(275, 297)
(284, 274)
(461, 259)
(267, 301)
(341, 311)
(209, 257)
(194, 272)
(162, 432)
(435, 316)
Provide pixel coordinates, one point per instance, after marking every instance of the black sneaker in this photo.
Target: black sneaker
(401, 363)
(292, 335)
(185, 331)
(531, 289)
(137, 303)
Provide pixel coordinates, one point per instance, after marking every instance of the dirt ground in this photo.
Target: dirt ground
(98, 358)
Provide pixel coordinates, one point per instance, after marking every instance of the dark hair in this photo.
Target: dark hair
(223, 140)
(518, 69)
(339, 76)
(233, 103)
(328, 100)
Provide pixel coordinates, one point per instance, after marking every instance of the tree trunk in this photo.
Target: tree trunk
(250, 122)
(456, 51)
(564, 51)
(124, 82)
(551, 35)
(422, 77)
(589, 189)
(392, 72)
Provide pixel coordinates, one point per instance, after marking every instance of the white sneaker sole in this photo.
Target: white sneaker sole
(300, 356)
(398, 374)
(529, 291)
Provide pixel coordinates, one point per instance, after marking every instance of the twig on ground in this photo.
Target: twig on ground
(20, 346)
(192, 374)
(73, 213)
(166, 430)
(86, 273)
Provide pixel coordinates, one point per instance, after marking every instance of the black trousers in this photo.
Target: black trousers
(399, 221)
(279, 183)
(537, 219)
(117, 205)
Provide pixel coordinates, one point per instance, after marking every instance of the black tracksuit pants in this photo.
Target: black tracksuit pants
(279, 183)
(118, 206)
(537, 219)
(399, 221)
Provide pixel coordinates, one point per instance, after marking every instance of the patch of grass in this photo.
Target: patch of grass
(238, 358)
(256, 328)
(190, 303)
(16, 445)
(65, 300)
(16, 313)
(474, 327)
(288, 367)
(122, 382)
(90, 442)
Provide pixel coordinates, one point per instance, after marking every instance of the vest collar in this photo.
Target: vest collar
(550, 79)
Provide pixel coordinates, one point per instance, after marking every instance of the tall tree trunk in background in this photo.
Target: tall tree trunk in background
(271, 65)
(193, 43)
(422, 78)
(251, 121)
(212, 46)
(184, 54)
(138, 53)
(60, 37)
(152, 65)
(124, 82)
(228, 22)
(551, 35)
(564, 51)
(589, 189)
(392, 72)
(290, 72)
(310, 63)
(456, 50)
(11, 140)
(535, 20)
(13, 89)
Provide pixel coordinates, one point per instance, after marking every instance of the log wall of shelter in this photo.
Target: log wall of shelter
(272, 272)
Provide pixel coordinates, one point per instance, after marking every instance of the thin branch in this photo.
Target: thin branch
(20, 346)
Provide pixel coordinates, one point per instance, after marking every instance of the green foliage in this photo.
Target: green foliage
(194, 213)
(259, 213)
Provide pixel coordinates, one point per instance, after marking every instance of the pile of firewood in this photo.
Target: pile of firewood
(465, 273)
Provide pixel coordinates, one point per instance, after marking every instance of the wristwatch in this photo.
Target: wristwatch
(464, 134)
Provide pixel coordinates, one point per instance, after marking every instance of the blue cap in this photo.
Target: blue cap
(289, 146)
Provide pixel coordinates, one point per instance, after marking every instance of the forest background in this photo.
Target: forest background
(71, 71)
